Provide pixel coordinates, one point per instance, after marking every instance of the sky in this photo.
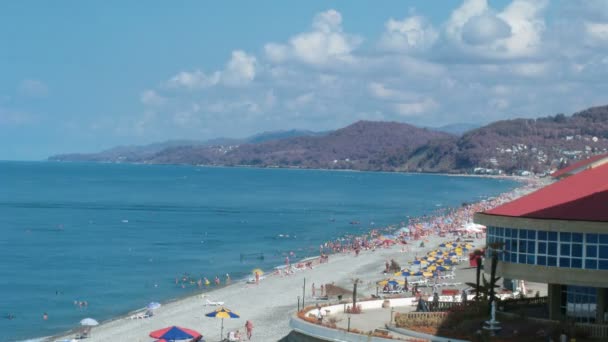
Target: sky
(82, 76)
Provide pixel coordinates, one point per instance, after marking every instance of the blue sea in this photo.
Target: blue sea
(117, 236)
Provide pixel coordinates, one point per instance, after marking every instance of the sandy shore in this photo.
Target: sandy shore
(269, 304)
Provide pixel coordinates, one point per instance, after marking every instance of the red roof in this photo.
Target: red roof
(578, 165)
(581, 197)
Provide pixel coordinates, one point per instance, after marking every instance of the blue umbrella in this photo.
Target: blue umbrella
(442, 245)
(153, 306)
(418, 273)
(416, 262)
(406, 273)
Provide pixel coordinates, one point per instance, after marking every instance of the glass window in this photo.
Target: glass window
(522, 246)
(542, 248)
(523, 233)
(531, 234)
(514, 257)
(603, 252)
(603, 265)
(541, 260)
(507, 232)
(604, 238)
(577, 237)
(577, 250)
(531, 247)
(542, 235)
(590, 264)
(508, 245)
(591, 238)
(551, 261)
(564, 249)
(576, 263)
(565, 237)
(514, 245)
(552, 236)
(552, 248)
(591, 251)
(564, 262)
(530, 259)
(501, 231)
(522, 258)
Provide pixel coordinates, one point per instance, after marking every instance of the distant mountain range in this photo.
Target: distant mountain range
(510, 146)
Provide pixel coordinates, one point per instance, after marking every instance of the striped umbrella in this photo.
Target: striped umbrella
(174, 333)
(222, 313)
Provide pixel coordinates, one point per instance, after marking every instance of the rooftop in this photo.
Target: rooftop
(581, 165)
(580, 197)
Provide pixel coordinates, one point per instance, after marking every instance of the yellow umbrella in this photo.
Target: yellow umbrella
(431, 268)
(386, 281)
(258, 271)
(427, 274)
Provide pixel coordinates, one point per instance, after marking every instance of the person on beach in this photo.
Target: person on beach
(228, 278)
(313, 289)
(45, 316)
(217, 281)
(207, 282)
(322, 290)
(257, 278)
(249, 328)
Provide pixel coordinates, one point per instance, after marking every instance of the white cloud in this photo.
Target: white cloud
(194, 80)
(413, 33)
(416, 107)
(151, 98)
(325, 44)
(597, 32)
(477, 65)
(239, 71)
(485, 29)
(33, 88)
(476, 30)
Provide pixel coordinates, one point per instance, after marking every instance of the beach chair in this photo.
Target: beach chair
(212, 303)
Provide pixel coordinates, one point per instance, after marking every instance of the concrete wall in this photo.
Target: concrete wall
(314, 332)
(552, 275)
(538, 224)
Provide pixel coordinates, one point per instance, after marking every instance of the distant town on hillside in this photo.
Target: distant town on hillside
(518, 146)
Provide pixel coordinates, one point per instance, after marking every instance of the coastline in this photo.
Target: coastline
(268, 304)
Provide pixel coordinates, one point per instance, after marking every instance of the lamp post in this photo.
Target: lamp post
(348, 327)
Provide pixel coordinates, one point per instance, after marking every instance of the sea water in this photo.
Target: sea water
(117, 236)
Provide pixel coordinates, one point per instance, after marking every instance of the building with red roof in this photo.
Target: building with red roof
(579, 166)
(559, 235)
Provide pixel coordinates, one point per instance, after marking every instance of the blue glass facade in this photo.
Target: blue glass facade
(555, 249)
(579, 303)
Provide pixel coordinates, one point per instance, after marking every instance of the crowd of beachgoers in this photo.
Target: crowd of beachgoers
(276, 294)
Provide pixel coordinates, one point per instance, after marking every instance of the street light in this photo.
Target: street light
(348, 327)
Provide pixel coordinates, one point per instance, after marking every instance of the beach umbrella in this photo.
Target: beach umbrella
(418, 274)
(391, 282)
(175, 333)
(416, 262)
(404, 273)
(89, 322)
(442, 245)
(258, 271)
(153, 306)
(428, 274)
(222, 313)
